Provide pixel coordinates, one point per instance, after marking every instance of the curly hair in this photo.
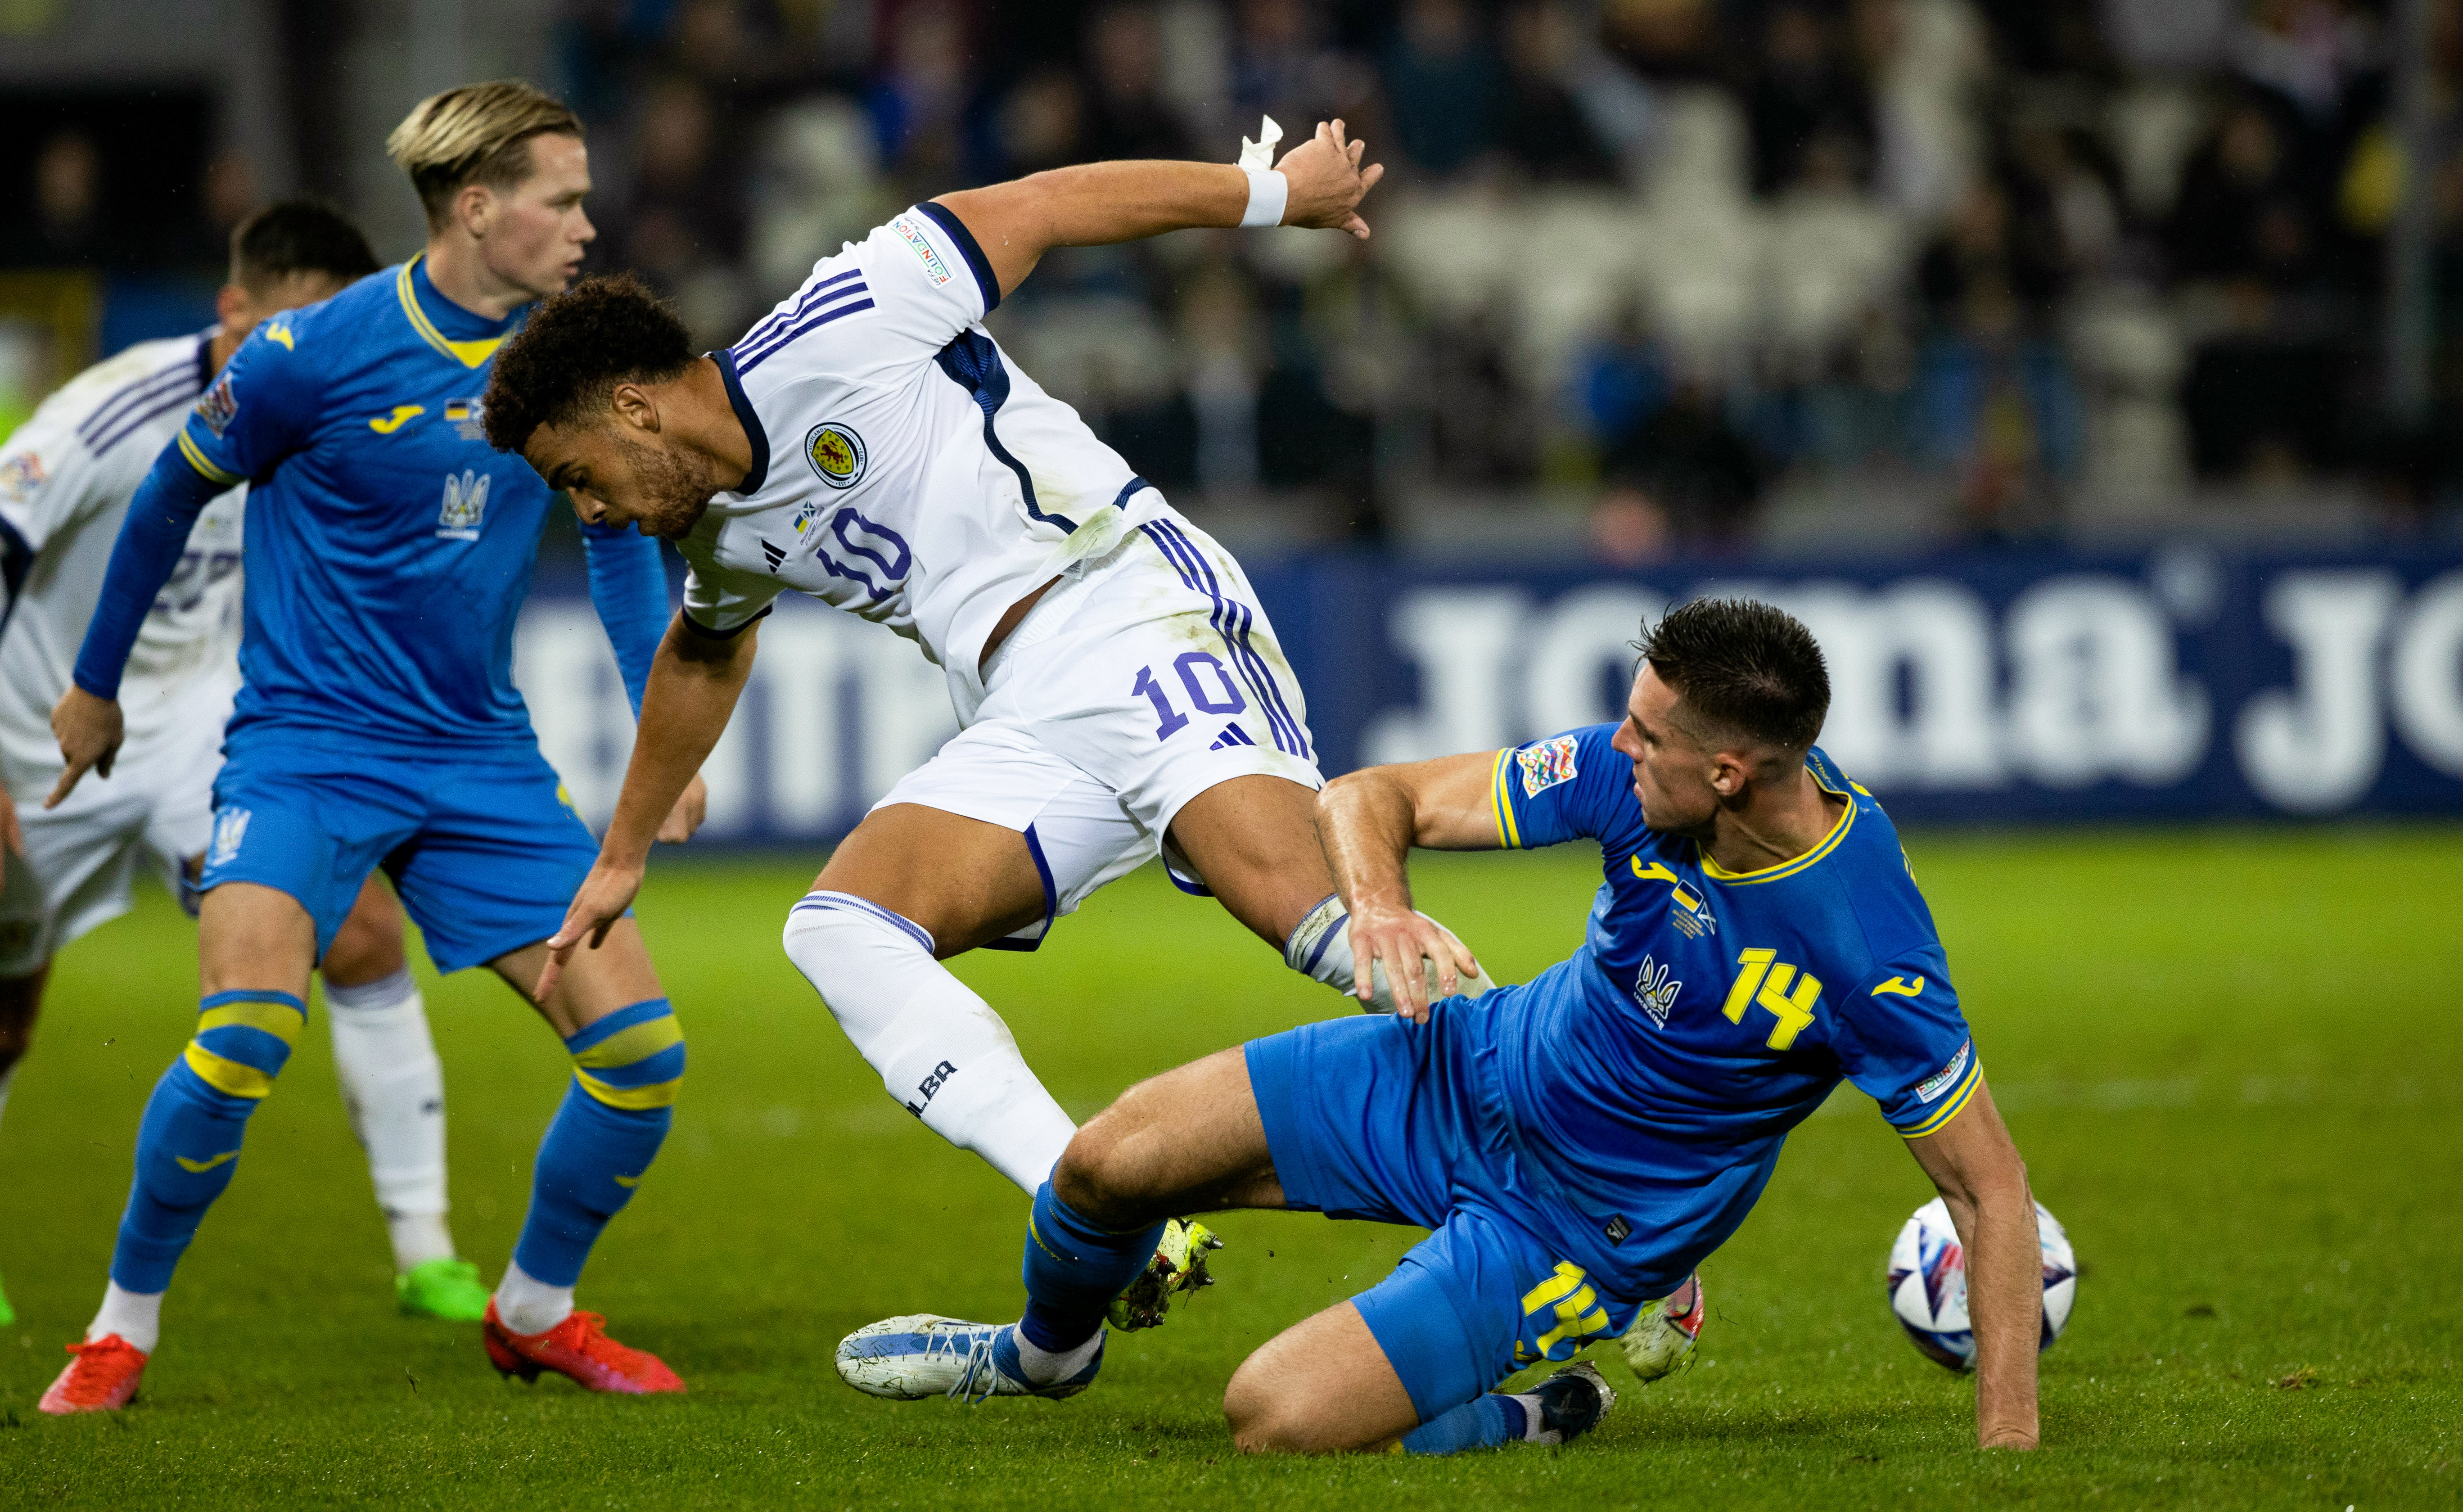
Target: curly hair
(1744, 668)
(577, 346)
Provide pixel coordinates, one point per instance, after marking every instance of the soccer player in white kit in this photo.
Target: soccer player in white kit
(66, 478)
(869, 444)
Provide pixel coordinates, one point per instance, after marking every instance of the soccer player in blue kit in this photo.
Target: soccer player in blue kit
(1579, 1144)
(389, 549)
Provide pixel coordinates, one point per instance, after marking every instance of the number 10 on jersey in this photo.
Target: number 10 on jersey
(1221, 697)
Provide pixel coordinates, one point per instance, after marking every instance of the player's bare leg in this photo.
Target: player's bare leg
(392, 1087)
(1253, 841)
(628, 1059)
(1320, 1387)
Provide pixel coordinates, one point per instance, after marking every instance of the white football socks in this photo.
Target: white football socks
(526, 1304)
(940, 1049)
(1042, 1367)
(394, 1087)
(135, 1316)
(1319, 948)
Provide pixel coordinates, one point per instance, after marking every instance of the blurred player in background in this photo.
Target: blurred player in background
(1121, 692)
(390, 551)
(66, 477)
(1578, 1144)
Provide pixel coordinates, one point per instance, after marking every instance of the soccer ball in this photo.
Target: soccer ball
(1929, 1285)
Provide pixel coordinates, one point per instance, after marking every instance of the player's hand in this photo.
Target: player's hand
(692, 807)
(1327, 183)
(89, 731)
(13, 834)
(605, 896)
(1403, 942)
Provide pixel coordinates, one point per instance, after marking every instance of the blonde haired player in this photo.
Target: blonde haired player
(66, 477)
(390, 551)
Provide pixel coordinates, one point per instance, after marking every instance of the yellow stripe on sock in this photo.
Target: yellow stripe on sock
(627, 1047)
(631, 1099)
(225, 1075)
(279, 1019)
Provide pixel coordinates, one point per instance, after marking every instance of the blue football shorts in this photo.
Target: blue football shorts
(487, 854)
(1375, 1117)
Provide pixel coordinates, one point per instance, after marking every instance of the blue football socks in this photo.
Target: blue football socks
(1073, 1271)
(626, 1069)
(1487, 1423)
(188, 1143)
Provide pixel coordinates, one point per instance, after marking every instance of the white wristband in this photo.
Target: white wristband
(1269, 193)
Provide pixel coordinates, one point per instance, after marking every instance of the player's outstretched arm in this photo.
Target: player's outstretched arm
(1097, 204)
(694, 685)
(1976, 1165)
(1368, 820)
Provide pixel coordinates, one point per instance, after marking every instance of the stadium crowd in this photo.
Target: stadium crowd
(1660, 274)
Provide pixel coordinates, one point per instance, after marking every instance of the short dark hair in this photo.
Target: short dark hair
(577, 346)
(294, 236)
(1743, 666)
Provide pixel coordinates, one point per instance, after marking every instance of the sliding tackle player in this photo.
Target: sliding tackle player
(1577, 1145)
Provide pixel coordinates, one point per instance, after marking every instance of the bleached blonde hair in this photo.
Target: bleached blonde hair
(476, 134)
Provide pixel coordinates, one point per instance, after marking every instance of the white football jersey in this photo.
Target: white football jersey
(903, 469)
(66, 477)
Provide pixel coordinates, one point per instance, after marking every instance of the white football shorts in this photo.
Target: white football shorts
(1141, 680)
(81, 858)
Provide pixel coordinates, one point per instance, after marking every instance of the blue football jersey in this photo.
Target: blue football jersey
(388, 546)
(1647, 1082)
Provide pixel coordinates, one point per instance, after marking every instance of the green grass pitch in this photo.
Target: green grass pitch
(2233, 1060)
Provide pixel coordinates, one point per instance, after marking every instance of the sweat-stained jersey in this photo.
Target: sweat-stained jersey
(389, 546)
(1645, 1084)
(903, 469)
(66, 477)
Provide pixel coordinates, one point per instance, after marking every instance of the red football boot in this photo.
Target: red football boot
(102, 1378)
(578, 1347)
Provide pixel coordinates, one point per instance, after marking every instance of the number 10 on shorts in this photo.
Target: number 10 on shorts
(1208, 682)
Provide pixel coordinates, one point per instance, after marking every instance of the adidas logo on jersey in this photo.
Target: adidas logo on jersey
(1232, 735)
(774, 554)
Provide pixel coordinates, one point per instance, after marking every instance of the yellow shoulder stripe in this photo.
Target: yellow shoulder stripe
(1508, 834)
(197, 459)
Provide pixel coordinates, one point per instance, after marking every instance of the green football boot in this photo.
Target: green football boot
(443, 1288)
(1178, 1268)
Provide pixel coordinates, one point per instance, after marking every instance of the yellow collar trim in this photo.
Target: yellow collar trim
(470, 354)
(1789, 868)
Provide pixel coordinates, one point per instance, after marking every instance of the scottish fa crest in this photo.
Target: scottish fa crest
(1655, 992)
(837, 454)
(466, 502)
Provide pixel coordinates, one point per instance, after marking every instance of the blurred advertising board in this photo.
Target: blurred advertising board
(2180, 683)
